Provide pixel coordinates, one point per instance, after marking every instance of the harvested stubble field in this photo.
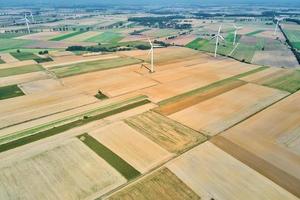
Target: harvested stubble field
(17, 64)
(113, 82)
(136, 149)
(10, 91)
(32, 172)
(182, 101)
(74, 69)
(222, 112)
(48, 129)
(40, 36)
(74, 59)
(169, 134)
(19, 70)
(40, 86)
(268, 142)
(214, 174)
(181, 40)
(163, 55)
(110, 157)
(201, 75)
(26, 108)
(7, 58)
(276, 58)
(23, 78)
(162, 184)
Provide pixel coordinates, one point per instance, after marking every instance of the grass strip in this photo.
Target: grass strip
(1, 61)
(208, 87)
(10, 91)
(109, 156)
(26, 137)
(255, 32)
(67, 35)
(20, 70)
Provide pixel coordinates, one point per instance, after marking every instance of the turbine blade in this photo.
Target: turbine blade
(221, 37)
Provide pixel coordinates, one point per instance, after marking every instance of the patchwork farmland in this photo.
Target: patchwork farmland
(82, 117)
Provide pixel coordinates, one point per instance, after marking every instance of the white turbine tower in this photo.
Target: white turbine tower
(235, 32)
(217, 37)
(151, 52)
(26, 22)
(278, 19)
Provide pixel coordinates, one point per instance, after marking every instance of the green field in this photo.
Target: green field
(294, 37)
(10, 91)
(20, 70)
(55, 127)
(243, 52)
(67, 35)
(107, 37)
(290, 82)
(109, 156)
(1, 61)
(11, 35)
(79, 68)
(24, 55)
(8, 44)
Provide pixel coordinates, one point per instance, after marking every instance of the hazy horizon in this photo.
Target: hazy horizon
(4, 3)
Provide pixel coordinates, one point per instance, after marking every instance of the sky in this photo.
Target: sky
(126, 2)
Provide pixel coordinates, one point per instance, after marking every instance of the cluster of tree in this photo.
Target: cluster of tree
(45, 52)
(161, 43)
(138, 32)
(161, 22)
(297, 21)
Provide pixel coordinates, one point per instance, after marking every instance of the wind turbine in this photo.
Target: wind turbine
(26, 22)
(278, 19)
(32, 19)
(235, 32)
(217, 37)
(151, 52)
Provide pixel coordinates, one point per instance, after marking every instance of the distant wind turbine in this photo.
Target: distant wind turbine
(151, 52)
(26, 22)
(31, 15)
(278, 19)
(217, 37)
(235, 32)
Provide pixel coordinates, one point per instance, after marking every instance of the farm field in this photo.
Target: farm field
(70, 70)
(9, 44)
(269, 143)
(208, 118)
(289, 82)
(24, 56)
(29, 107)
(27, 170)
(205, 168)
(19, 70)
(163, 184)
(7, 58)
(131, 146)
(65, 36)
(106, 37)
(83, 36)
(40, 86)
(169, 134)
(17, 64)
(23, 78)
(113, 82)
(75, 59)
(40, 36)
(10, 91)
(294, 37)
